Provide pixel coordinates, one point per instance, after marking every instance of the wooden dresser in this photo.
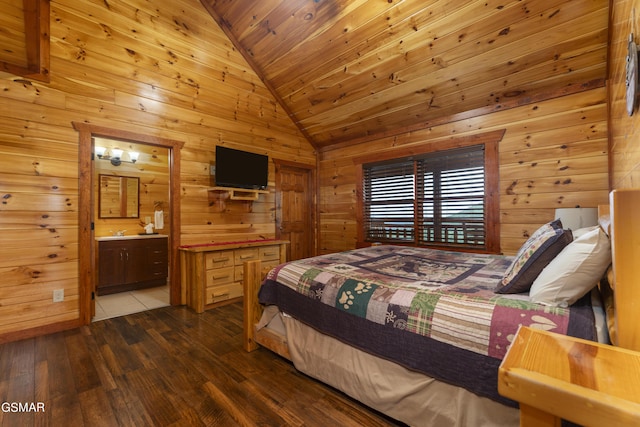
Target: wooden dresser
(212, 274)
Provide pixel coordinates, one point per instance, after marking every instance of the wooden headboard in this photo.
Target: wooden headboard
(625, 246)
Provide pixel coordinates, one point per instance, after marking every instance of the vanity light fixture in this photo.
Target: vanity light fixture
(115, 155)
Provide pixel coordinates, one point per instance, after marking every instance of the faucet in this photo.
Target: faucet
(118, 233)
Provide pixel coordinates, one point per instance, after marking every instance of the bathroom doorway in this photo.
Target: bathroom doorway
(88, 134)
(133, 194)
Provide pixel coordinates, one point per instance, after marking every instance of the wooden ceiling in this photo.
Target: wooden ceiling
(348, 69)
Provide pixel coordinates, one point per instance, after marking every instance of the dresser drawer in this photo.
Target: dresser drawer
(246, 254)
(218, 259)
(219, 276)
(223, 292)
(266, 265)
(270, 253)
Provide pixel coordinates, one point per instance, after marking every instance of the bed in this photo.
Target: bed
(419, 334)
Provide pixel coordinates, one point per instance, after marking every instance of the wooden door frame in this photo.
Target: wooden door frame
(314, 193)
(86, 238)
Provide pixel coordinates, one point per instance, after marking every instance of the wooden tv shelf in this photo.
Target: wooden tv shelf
(239, 193)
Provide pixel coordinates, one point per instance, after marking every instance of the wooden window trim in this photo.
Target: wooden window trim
(36, 21)
(491, 142)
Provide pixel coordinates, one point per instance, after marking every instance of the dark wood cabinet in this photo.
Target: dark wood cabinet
(128, 264)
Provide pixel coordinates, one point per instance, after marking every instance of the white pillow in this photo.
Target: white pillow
(575, 271)
(582, 231)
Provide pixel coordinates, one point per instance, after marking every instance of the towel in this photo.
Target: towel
(159, 219)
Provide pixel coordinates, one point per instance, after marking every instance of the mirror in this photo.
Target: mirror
(118, 196)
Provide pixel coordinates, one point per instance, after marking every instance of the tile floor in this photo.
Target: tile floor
(120, 304)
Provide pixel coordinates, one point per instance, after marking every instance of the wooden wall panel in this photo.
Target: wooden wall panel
(24, 39)
(161, 69)
(382, 66)
(624, 130)
(553, 154)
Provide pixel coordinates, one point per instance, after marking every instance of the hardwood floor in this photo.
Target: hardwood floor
(165, 367)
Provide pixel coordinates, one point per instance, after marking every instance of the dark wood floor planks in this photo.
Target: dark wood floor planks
(165, 367)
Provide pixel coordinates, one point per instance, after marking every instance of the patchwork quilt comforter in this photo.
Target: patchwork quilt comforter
(431, 311)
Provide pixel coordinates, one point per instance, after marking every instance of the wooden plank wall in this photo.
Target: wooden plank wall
(13, 33)
(624, 130)
(159, 69)
(553, 154)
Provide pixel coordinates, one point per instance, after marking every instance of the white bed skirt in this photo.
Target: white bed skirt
(407, 396)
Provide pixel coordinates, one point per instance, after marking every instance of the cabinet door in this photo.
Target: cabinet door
(135, 263)
(110, 265)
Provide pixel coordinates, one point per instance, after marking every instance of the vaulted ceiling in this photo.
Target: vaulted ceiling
(348, 69)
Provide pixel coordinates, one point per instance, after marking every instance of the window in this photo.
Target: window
(433, 199)
(389, 201)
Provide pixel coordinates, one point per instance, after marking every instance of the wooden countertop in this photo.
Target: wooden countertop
(554, 376)
(130, 237)
(206, 247)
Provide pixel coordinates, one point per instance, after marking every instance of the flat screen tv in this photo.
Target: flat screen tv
(241, 169)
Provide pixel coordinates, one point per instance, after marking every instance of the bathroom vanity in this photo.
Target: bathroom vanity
(131, 262)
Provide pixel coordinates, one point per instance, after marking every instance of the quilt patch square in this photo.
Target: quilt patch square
(506, 320)
(354, 296)
(464, 323)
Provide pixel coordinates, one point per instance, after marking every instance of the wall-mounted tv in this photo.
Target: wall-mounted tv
(241, 169)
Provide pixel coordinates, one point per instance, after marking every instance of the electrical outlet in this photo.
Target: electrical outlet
(58, 295)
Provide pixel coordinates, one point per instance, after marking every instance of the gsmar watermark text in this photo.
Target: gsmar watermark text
(22, 407)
